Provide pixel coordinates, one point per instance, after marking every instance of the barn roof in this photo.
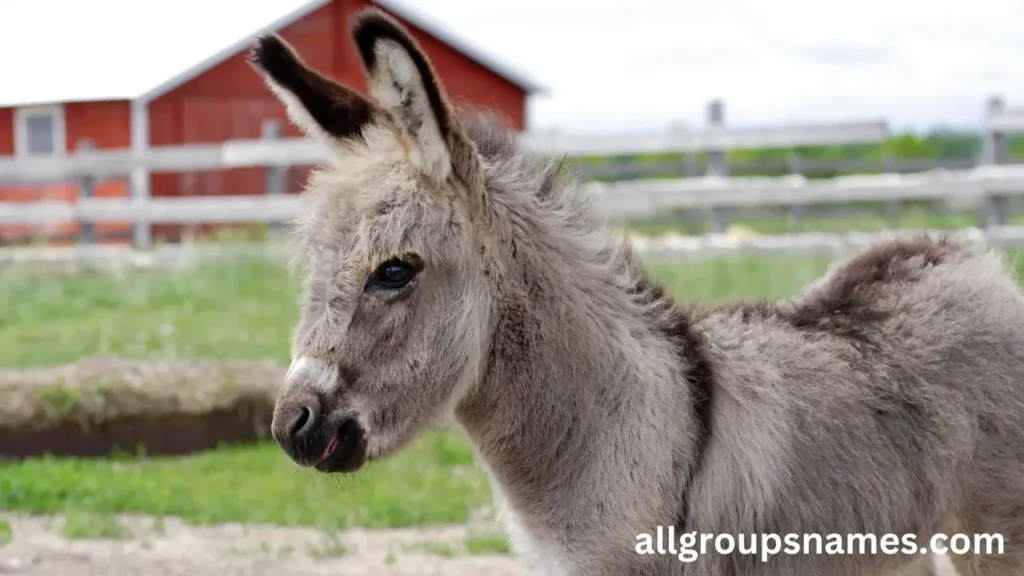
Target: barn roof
(89, 50)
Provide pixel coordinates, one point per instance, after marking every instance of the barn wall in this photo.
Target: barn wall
(6, 131)
(107, 124)
(230, 101)
(469, 84)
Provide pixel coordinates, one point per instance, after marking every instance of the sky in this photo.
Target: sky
(617, 64)
(608, 65)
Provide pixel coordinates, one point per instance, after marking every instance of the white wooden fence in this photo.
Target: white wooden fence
(621, 162)
(990, 183)
(618, 200)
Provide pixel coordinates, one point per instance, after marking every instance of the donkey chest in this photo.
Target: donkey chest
(541, 554)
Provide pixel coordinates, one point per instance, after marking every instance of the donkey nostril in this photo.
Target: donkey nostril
(302, 422)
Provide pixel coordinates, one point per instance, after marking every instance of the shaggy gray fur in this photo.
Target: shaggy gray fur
(886, 398)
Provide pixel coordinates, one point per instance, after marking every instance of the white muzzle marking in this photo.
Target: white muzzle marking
(316, 374)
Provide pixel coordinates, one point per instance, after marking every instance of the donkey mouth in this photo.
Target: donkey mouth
(346, 450)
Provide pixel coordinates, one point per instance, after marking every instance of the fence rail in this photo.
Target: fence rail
(618, 200)
(187, 158)
(1005, 119)
(713, 192)
(300, 151)
(171, 209)
(713, 138)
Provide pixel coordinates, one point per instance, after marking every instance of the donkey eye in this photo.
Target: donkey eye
(392, 275)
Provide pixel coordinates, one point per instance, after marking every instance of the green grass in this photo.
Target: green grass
(246, 311)
(433, 481)
(487, 544)
(6, 533)
(435, 548)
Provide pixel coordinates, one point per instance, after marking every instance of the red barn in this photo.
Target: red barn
(162, 73)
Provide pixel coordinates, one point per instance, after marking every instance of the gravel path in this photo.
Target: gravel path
(38, 548)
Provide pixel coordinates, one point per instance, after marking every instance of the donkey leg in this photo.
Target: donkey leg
(976, 565)
(941, 565)
(979, 563)
(986, 520)
(924, 566)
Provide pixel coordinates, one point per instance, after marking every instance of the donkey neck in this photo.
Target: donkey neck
(582, 400)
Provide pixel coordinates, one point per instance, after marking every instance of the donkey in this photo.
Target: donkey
(451, 276)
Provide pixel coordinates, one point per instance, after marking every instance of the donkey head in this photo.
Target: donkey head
(395, 301)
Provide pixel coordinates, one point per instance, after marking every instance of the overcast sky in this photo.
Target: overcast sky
(608, 64)
(625, 63)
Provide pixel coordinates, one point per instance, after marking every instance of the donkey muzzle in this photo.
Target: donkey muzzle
(305, 427)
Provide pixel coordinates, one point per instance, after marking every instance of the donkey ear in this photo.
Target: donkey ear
(403, 82)
(319, 106)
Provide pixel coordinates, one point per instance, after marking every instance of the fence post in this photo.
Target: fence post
(275, 183)
(892, 207)
(993, 151)
(795, 164)
(86, 190)
(276, 176)
(717, 165)
(142, 232)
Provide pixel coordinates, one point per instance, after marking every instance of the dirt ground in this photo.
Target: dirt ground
(173, 548)
(38, 548)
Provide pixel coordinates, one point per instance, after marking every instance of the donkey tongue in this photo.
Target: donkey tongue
(331, 446)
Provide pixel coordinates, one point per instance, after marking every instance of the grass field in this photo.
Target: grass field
(910, 219)
(246, 311)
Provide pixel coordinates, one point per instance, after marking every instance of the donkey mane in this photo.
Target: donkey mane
(547, 206)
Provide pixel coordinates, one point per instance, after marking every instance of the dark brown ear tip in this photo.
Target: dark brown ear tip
(370, 25)
(271, 54)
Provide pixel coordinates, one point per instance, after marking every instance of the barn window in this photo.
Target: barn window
(40, 131)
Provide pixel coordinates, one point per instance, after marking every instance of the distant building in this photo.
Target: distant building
(149, 75)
